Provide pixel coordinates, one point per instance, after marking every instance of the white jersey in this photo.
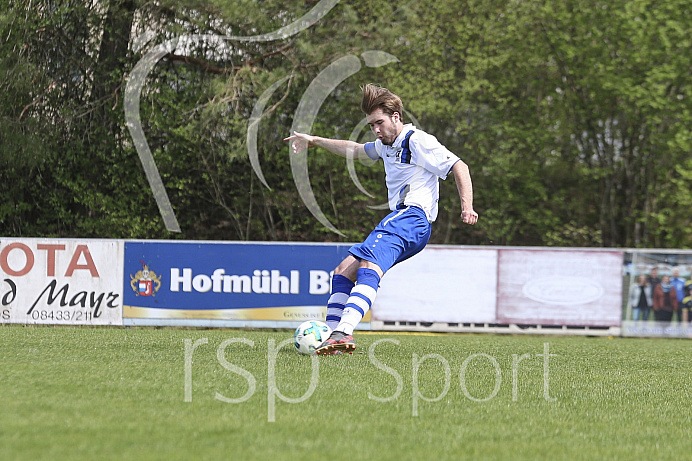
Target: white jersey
(413, 164)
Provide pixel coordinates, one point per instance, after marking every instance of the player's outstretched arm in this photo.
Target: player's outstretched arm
(301, 141)
(462, 176)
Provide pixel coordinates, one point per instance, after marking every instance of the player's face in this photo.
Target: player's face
(385, 127)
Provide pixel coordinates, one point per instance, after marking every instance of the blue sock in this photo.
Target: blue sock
(360, 301)
(341, 290)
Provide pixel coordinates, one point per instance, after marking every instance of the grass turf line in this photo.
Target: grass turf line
(115, 393)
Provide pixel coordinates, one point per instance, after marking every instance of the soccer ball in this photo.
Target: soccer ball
(309, 335)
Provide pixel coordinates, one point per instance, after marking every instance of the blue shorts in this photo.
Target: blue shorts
(402, 234)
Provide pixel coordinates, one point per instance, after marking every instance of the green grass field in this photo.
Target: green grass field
(113, 393)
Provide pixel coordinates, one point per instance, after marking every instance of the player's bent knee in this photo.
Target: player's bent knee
(348, 268)
(370, 265)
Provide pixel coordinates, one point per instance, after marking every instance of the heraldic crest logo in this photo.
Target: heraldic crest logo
(145, 282)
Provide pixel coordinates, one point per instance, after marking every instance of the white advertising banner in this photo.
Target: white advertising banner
(560, 287)
(60, 281)
(440, 284)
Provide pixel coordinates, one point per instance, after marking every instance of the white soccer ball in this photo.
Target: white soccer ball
(309, 335)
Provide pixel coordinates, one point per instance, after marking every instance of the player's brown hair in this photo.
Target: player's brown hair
(376, 97)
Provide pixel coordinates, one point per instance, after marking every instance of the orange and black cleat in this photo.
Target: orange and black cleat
(338, 342)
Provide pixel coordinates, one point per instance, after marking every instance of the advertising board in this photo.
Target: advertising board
(228, 282)
(657, 301)
(560, 287)
(440, 284)
(61, 282)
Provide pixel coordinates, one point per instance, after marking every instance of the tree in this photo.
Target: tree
(573, 116)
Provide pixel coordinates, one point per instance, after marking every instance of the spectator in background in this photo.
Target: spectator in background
(679, 285)
(687, 301)
(653, 278)
(665, 300)
(640, 298)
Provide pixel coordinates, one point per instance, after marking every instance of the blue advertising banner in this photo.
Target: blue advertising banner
(228, 281)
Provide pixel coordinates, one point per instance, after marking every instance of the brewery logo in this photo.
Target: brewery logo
(145, 282)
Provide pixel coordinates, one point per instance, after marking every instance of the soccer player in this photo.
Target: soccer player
(413, 162)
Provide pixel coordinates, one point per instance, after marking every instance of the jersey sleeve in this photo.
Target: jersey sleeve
(371, 150)
(430, 154)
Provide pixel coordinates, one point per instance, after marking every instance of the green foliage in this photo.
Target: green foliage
(573, 117)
